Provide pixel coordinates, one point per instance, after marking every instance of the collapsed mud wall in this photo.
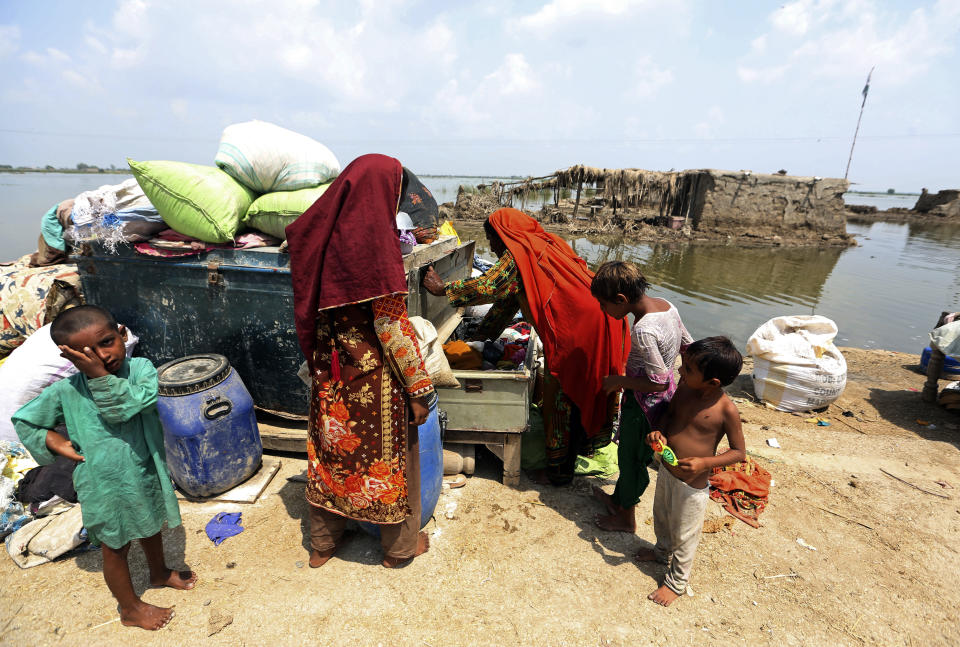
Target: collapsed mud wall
(942, 203)
(762, 203)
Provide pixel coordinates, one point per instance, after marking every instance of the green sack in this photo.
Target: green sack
(603, 463)
(272, 212)
(194, 200)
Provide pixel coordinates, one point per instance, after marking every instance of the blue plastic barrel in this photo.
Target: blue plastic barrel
(431, 469)
(209, 426)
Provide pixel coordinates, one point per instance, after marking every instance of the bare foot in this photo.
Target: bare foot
(182, 580)
(605, 499)
(320, 557)
(423, 545)
(645, 555)
(145, 616)
(619, 522)
(663, 596)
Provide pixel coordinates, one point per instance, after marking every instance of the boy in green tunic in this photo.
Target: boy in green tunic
(125, 493)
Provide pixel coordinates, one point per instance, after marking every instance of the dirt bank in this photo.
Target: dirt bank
(528, 567)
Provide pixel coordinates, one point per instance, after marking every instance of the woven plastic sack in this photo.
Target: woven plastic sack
(272, 212)
(198, 201)
(265, 157)
(796, 366)
(434, 359)
(31, 368)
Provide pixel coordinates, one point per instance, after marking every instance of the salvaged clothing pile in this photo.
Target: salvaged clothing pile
(743, 489)
(39, 515)
(506, 353)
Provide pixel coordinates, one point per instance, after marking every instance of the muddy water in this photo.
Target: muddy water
(885, 293)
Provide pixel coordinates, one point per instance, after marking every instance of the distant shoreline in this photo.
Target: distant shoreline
(100, 171)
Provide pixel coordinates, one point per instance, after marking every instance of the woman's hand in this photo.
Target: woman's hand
(612, 383)
(420, 410)
(433, 283)
(87, 361)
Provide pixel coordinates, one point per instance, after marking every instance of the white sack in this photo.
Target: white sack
(796, 366)
(264, 158)
(32, 367)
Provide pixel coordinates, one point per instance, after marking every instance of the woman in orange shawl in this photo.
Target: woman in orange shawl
(539, 274)
(369, 385)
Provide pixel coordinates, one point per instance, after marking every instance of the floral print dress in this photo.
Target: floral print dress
(366, 367)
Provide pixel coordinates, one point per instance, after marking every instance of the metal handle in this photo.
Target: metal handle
(473, 386)
(217, 408)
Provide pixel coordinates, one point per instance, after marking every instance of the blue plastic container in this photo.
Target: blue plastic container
(951, 367)
(209, 426)
(431, 469)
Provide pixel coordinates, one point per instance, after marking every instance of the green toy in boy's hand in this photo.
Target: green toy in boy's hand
(666, 454)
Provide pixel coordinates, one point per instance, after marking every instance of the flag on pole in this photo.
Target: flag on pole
(866, 87)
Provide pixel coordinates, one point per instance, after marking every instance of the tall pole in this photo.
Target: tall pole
(866, 89)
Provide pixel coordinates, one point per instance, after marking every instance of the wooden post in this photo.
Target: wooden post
(934, 367)
(576, 205)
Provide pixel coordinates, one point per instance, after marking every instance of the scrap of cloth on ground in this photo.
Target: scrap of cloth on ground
(351, 316)
(222, 526)
(743, 488)
(122, 485)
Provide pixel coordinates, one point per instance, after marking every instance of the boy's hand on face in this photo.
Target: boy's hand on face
(612, 383)
(86, 362)
(691, 466)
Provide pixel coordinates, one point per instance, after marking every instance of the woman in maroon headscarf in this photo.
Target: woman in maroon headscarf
(370, 386)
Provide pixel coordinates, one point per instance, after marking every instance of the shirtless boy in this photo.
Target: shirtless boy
(699, 416)
(122, 483)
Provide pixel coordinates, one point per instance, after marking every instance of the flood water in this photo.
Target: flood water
(885, 293)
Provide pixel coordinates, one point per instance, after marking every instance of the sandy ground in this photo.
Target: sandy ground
(528, 567)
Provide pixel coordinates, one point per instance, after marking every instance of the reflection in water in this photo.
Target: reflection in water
(724, 274)
(885, 293)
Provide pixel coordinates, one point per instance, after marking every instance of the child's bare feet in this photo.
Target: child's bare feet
(182, 580)
(605, 499)
(663, 596)
(146, 616)
(645, 555)
(621, 521)
(320, 557)
(423, 545)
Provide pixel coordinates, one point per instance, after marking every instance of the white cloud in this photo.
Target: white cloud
(514, 76)
(180, 108)
(558, 12)
(843, 40)
(764, 74)
(57, 56)
(650, 78)
(95, 44)
(707, 128)
(793, 18)
(9, 40)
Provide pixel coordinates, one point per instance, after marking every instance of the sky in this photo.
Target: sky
(497, 87)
